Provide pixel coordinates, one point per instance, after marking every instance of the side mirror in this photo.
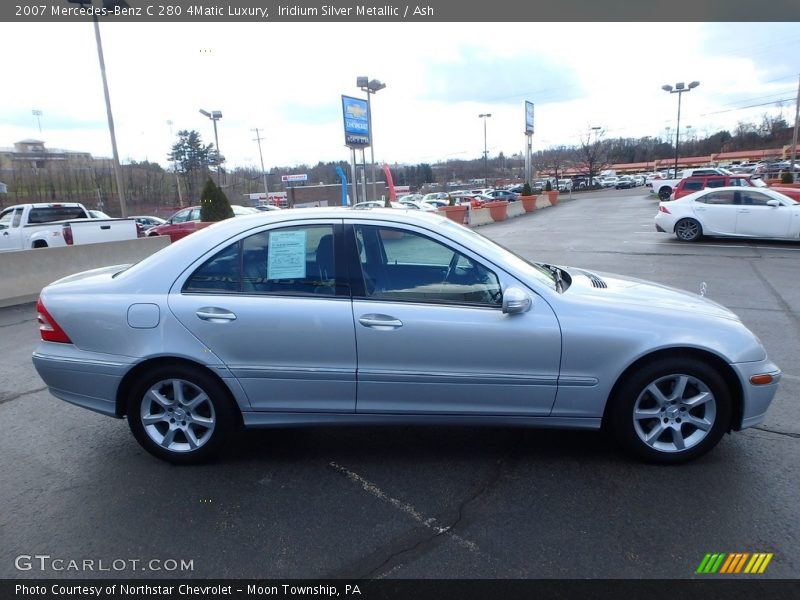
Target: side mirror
(773, 203)
(516, 301)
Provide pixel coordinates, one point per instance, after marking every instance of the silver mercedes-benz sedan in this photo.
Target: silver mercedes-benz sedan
(331, 316)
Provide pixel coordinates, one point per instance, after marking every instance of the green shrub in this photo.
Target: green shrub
(548, 187)
(526, 189)
(214, 205)
(787, 177)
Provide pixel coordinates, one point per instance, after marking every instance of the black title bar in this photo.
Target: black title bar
(673, 12)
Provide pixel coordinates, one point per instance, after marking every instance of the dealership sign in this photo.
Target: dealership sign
(356, 121)
(528, 117)
(292, 178)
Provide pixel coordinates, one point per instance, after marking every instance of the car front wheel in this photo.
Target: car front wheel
(664, 193)
(688, 230)
(671, 411)
(180, 414)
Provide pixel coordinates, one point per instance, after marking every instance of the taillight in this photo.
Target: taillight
(663, 209)
(67, 233)
(48, 328)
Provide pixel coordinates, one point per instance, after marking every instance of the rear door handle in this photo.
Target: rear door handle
(215, 315)
(381, 322)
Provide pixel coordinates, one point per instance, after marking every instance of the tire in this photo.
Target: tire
(180, 414)
(688, 230)
(664, 193)
(671, 411)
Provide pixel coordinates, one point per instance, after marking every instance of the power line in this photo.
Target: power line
(744, 107)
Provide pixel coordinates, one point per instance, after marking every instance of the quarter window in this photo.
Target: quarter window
(404, 265)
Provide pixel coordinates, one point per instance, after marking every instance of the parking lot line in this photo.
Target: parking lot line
(430, 522)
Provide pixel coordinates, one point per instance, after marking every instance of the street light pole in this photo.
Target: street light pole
(370, 86)
(484, 116)
(215, 115)
(679, 89)
(38, 114)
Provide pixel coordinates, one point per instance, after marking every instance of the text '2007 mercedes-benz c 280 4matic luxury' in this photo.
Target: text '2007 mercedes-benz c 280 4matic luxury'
(334, 316)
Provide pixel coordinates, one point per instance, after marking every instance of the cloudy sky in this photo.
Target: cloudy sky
(288, 78)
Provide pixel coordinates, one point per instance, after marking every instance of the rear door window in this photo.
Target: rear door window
(297, 260)
(722, 197)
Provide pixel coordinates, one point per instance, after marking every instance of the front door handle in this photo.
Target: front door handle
(215, 315)
(380, 322)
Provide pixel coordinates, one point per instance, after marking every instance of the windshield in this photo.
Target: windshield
(758, 183)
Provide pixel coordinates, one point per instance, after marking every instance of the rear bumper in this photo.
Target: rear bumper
(87, 382)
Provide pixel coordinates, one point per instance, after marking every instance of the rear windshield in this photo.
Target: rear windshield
(47, 214)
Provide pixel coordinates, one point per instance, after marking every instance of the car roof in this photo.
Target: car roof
(731, 188)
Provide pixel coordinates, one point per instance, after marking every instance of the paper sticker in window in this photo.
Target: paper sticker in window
(287, 255)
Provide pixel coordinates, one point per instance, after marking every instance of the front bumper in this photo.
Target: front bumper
(756, 398)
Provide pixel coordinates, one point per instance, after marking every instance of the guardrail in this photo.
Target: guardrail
(23, 274)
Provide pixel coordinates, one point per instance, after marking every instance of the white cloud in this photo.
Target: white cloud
(287, 79)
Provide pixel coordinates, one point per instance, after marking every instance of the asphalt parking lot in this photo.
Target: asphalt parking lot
(425, 502)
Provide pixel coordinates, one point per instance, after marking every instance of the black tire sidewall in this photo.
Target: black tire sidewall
(218, 395)
(621, 410)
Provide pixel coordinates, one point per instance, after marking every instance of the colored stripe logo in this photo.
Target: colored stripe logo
(734, 563)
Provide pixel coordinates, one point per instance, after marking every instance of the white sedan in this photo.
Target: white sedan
(730, 211)
(419, 205)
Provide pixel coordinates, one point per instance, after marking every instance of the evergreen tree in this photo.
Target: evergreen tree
(214, 205)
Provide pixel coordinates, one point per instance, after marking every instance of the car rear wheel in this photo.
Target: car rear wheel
(180, 414)
(664, 193)
(688, 230)
(671, 411)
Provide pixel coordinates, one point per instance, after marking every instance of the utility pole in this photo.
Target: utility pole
(261, 156)
(115, 155)
(794, 135)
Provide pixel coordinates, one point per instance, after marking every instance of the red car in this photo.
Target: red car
(179, 225)
(187, 220)
(689, 185)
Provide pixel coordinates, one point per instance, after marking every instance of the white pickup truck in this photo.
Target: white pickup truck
(45, 225)
(663, 188)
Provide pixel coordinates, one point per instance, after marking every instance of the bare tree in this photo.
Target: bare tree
(555, 160)
(593, 154)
